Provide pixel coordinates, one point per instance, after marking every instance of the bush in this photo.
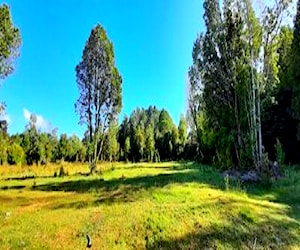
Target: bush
(16, 154)
(3, 150)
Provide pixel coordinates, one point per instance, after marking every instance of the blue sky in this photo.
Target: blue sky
(152, 39)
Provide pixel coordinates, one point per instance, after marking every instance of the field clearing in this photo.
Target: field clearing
(145, 206)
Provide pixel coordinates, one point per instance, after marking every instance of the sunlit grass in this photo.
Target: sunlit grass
(138, 206)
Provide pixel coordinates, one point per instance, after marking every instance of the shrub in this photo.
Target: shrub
(16, 154)
(3, 151)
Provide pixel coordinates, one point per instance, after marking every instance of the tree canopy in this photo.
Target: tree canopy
(243, 99)
(100, 91)
(10, 41)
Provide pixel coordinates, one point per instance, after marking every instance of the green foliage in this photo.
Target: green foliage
(150, 135)
(139, 142)
(149, 144)
(3, 148)
(243, 88)
(30, 143)
(165, 123)
(280, 155)
(100, 91)
(294, 67)
(70, 149)
(182, 134)
(217, 60)
(111, 145)
(127, 148)
(285, 40)
(232, 81)
(32, 146)
(280, 119)
(16, 154)
(10, 41)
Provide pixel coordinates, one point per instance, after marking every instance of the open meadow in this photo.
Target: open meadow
(145, 206)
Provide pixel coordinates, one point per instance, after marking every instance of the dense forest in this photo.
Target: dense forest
(243, 98)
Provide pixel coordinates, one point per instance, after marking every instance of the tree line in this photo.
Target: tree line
(243, 99)
(147, 135)
(244, 85)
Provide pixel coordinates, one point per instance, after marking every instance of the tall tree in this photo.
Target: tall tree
(127, 148)
(216, 85)
(10, 41)
(149, 143)
(295, 66)
(111, 148)
(123, 135)
(99, 84)
(3, 146)
(30, 142)
(233, 71)
(165, 137)
(182, 134)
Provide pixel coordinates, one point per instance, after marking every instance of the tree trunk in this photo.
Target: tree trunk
(253, 116)
(259, 128)
(238, 144)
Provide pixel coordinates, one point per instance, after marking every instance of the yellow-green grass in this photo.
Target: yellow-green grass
(144, 206)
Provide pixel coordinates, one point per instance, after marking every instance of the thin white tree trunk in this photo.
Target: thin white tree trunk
(254, 112)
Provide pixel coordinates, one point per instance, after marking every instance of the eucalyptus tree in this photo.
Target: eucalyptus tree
(231, 78)
(216, 87)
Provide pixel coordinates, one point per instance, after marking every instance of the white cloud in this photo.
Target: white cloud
(41, 122)
(26, 114)
(6, 117)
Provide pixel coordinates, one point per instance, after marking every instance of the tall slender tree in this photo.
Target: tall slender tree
(99, 84)
(295, 67)
(10, 41)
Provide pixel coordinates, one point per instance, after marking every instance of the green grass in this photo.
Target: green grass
(145, 206)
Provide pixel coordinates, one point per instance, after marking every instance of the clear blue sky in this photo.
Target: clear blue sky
(152, 39)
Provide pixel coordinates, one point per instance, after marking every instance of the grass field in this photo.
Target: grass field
(145, 206)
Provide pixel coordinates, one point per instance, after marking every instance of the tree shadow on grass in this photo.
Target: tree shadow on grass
(237, 234)
(236, 226)
(270, 234)
(12, 187)
(179, 166)
(285, 191)
(130, 189)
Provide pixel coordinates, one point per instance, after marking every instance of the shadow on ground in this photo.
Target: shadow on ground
(269, 234)
(130, 189)
(240, 232)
